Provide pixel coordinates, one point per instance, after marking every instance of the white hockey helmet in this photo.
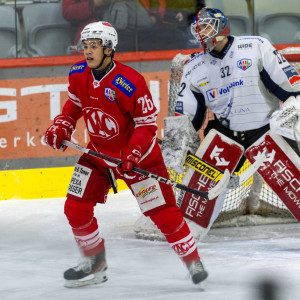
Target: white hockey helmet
(209, 27)
(103, 31)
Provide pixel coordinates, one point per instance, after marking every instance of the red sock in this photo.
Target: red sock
(88, 239)
(183, 243)
(177, 233)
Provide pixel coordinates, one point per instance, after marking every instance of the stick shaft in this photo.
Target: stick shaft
(135, 169)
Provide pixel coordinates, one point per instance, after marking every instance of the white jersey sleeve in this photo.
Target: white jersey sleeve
(186, 103)
(276, 72)
(190, 101)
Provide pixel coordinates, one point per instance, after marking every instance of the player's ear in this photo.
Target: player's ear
(108, 51)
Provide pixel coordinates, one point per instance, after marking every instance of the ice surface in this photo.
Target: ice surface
(36, 246)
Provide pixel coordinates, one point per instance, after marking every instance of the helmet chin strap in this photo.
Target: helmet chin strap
(102, 61)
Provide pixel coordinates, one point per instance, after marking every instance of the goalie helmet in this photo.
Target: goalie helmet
(103, 31)
(209, 27)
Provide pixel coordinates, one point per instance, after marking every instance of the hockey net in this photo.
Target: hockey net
(253, 203)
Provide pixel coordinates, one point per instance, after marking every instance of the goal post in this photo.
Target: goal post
(252, 203)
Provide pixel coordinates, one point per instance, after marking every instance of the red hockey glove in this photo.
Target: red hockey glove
(130, 156)
(62, 129)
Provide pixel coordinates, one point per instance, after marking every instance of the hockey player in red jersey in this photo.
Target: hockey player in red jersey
(120, 117)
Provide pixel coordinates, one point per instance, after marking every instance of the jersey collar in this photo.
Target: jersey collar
(227, 46)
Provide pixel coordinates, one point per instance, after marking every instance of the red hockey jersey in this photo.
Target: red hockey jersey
(118, 110)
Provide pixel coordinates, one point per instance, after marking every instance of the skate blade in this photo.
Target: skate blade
(96, 278)
(202, 286)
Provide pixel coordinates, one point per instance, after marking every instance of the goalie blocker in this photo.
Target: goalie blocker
(280, 170)
(221, 152)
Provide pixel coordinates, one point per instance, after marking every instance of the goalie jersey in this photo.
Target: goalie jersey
(243, 85)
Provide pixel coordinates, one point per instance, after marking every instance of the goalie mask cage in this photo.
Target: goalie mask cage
(253, 203)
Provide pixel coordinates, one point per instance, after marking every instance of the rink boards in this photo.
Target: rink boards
(38, 183)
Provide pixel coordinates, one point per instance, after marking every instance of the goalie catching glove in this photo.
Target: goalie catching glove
(61, 129)
(130, 156)
(285, 121)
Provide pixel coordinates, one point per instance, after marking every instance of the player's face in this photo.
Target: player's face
(206, 30)
(93, 52)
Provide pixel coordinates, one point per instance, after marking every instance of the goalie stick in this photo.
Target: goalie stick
(239, 180)
(211, 194)
(209, 170)
(215, 174)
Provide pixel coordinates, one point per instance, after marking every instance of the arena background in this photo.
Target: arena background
(33, 89)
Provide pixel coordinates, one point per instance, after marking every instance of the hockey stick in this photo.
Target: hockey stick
(201, 166)
(214, 173)
(211, 194)
(239, 180)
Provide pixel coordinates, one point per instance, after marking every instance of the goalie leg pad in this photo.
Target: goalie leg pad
(221, 152)
(200, 232)
(280, 170)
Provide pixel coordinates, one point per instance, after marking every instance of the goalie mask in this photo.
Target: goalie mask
(99, 30)
(209, 27)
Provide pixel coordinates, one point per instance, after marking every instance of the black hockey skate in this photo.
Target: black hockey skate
(90, 270)
(197, 271)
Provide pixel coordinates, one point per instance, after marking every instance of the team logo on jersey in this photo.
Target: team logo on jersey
(96, 84)
(100, 124)
(292, 75)
(244, 63)
(78, 68)
(124, 85)
(110, 94)
(214, 94)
